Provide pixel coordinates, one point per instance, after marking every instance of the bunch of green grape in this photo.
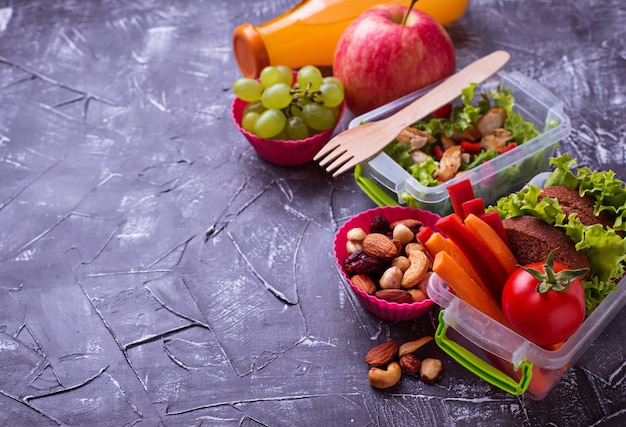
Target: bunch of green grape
(279, 110)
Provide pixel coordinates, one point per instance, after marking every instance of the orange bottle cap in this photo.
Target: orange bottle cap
(250, 50)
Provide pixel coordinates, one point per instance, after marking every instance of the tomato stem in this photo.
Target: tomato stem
(549, 279)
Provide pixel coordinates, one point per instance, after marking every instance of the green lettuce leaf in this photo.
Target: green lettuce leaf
(425, 171)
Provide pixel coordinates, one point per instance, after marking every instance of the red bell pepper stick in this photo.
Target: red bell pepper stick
(493, 219)
(486, 264)
(424, 234)
(475, 206)
(438, 152)
(470, 147)
(460, 192)
(443, 111)
(509, 147)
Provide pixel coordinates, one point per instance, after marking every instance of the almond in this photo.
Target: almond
(380, 246)
(364, 283)
(395, 295)
(382, 354)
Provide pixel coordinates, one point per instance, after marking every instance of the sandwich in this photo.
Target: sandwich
(579, 215)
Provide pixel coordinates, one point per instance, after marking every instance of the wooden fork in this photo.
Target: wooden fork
(352, 146)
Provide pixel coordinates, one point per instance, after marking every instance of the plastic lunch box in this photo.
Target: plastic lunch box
(387, 183)
(502, 357)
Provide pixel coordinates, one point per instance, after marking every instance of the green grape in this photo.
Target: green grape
(334, 80)
(318, 117)
(287, 74)
(270, 123)
(296, 128)
(298, 105)
(282, 136)
(271, 75)
(255, 106)
(247, 89)
(248, 120)
(310, 78)
(277, 96)
(331, 94)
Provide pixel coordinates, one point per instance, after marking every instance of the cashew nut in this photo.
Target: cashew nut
(381, 378)
(420, 263)
(391, 278)
(413, 246)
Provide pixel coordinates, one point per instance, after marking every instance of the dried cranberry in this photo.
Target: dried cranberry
(361, 263)
(379, 224)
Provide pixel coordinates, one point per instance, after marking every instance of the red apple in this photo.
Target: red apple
(379, 59)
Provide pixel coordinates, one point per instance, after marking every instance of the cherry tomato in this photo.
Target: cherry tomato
(544, 313)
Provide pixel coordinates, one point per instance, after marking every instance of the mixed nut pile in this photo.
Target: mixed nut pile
(389, 360)
(387, 261)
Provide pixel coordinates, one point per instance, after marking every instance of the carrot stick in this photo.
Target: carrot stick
(492, 241)
(437, 243)
(466, 288)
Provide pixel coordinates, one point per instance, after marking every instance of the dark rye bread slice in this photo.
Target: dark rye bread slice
(531, 240)
(572, 202)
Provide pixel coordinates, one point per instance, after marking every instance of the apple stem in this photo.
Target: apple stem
(406, 15)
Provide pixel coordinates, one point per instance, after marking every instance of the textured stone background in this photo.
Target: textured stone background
(155, 271)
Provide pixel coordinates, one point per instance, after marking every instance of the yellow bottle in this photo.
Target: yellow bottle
(308, 33)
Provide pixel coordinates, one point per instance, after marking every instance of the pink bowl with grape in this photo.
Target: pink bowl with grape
(284, 152)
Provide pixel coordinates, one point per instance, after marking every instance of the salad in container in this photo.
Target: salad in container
(497, 135)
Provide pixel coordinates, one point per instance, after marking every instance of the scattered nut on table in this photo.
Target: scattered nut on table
(431, 370)
(410, 364)
(382, 354)
(385, 378)
(389, 360)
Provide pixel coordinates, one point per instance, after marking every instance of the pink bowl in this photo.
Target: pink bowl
(378, 307)
(279, 152)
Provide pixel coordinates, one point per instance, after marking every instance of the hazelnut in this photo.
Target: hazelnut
(410, 364)
(402, 233)
(431, 370)
(401, 262)
(356, 234)
(391, 278)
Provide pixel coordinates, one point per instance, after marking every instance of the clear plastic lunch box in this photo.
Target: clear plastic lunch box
(504, 358)
(387, 183)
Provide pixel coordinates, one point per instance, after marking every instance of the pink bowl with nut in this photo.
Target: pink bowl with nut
(384, 309)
